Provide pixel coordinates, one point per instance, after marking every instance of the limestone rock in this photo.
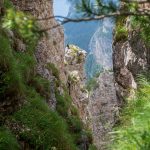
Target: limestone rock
(130, 58)
(103, 109)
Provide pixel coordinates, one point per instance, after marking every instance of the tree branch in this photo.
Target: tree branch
(136, 1)
(115, 14)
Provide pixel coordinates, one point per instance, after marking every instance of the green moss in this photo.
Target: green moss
(74, 111)
(75, 124)
(25, 60)
(8, 140)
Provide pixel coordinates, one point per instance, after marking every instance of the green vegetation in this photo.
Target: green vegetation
(8, 140)
(7, 4)
(23, 24)
(92, 84)
(70, 114)
(92, 147)
(63, 104)
(44, 129)
(27, 92)
(142, 23)
(121, 32)
(134, 129)
(41, 85)
(55, 71)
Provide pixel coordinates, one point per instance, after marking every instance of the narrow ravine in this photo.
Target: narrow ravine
(96, 38)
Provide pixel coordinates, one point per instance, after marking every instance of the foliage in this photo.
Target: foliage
(121, 31)
(7, 4)
(8, 140)
(133, 131)
(44, 129)
(41, 85)
(92, 84)
(54, 70)
(24, 24)
(142, 23)
(63, 104)
(11, 81)
(96, 7)
(63, 107)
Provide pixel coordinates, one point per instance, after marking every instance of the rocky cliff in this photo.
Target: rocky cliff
(131, 57)
(103, 109)
(45, 101)
(50, 49)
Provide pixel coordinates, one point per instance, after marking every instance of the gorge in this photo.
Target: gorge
(65, 88)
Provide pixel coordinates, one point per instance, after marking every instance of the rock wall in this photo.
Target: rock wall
(74, 61)
(103, 110)
(130, 58)
(50, 48)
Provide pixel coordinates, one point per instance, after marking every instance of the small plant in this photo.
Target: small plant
(41, 85)
(92, 84)
(121, 31)
(54, 70)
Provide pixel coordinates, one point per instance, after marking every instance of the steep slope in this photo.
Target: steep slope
(37, 110)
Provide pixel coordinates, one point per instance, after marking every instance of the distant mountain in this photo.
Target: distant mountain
(95, 37)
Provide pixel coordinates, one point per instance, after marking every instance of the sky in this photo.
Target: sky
(61, 7)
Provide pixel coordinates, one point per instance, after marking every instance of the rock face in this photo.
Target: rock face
(103, 109)
(74, 61)
(50, 48)
(130, 58)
